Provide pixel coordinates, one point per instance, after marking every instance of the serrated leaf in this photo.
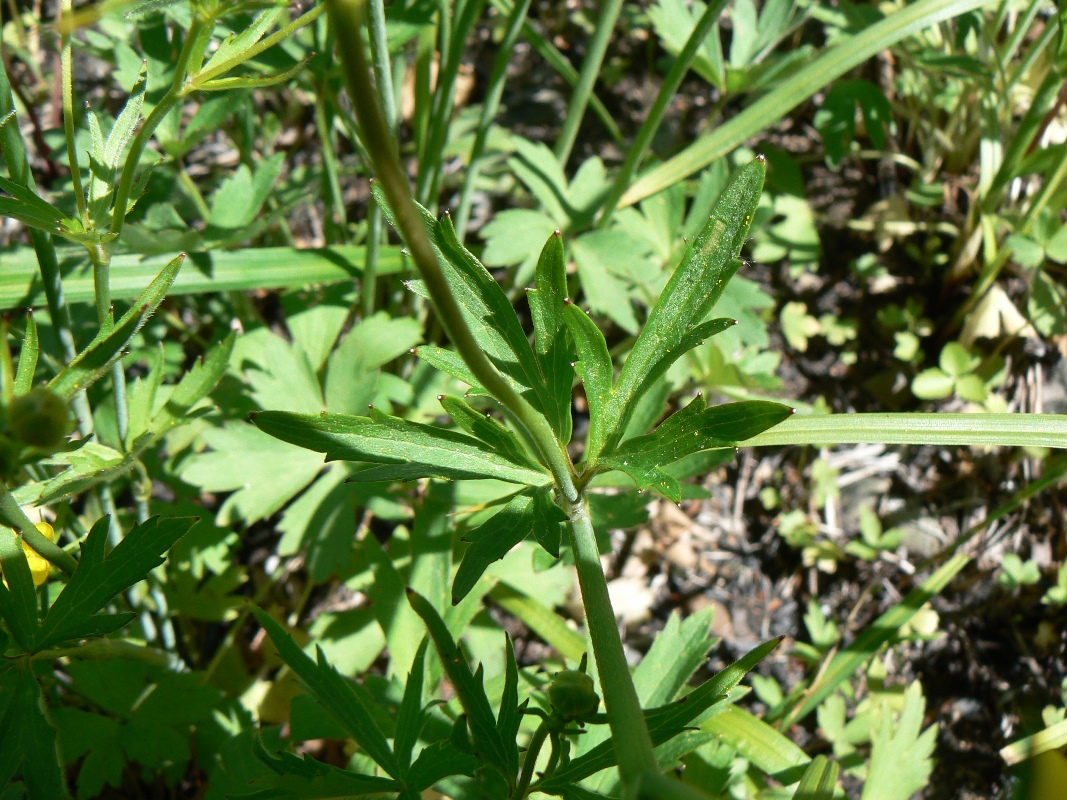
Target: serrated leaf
(449, 361)
(308, 779)
(234, 47)
(664, 722)
(248, 82)
(489, 431)
(901, 762)
(696, 427)
(27, 739)
(553, 350)
(491, 541)
(548, 521)
(195, 385)
(95, 360)
(101, 575)
(486, 310)
(18, 599)
(698, 282)
(411, 716)
(484, 733)
(27, 357)
(594, 362)
(440, 760)
(29, 203)
(509, 716)
(410, 448)
(334, 693)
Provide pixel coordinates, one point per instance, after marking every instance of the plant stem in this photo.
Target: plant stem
(66, 65)
(629, 732)
(18, 168)
(383, 75)
(655, 115)
(586, 79)
(348, 17)
(11, 514)
(490, 106)
(529, 761)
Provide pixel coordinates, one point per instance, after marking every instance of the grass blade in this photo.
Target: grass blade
(774, 105)
(977, 430)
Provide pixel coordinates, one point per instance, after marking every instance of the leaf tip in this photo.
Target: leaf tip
(557, 233)
(761, 158)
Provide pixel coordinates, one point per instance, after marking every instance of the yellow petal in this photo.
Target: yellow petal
(39, 566)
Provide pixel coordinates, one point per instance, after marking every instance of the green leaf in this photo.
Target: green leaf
(95, 360)
(594, 361)
(553, 350)
(499, 438)
(955, 361)
(664, 722)
(548, 519)
(28, 204)
(696, 427)
(437, 761)
(309, 779)
(194, 386)
(509, 716)
(334, 693)
(843, 665)
(248, 82)
(28, 739)
(486, 737)
(18, 599)
(244, 460)
(900, 755)
(491, 541)
(411, 716)
(486, 309)
(694, 288)
(241, 196)
(794, 90)
(217, 271)
(410, 448)
(452, 363)
(100, 576)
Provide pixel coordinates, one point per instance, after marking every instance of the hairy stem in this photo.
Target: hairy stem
(348, 17)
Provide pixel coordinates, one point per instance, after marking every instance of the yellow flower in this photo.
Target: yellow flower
(39, 566)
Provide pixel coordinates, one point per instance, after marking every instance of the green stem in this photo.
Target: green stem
(18, 168)
(105, 649)
(530, 760)
(629, 731)
(655, 115)
(586, 79)
(348, 16)
(493, 93)
(11, 514)
(444, 99)
(196, 41)
(550, 53)
(66, 65)
(383, 76)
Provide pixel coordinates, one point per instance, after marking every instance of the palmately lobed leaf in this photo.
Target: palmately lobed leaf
(694, 288)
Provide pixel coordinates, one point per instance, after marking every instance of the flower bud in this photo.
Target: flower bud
(571, 694)
(40, 418)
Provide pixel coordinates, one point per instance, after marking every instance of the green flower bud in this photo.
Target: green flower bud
(40, 418)
(571, 694)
